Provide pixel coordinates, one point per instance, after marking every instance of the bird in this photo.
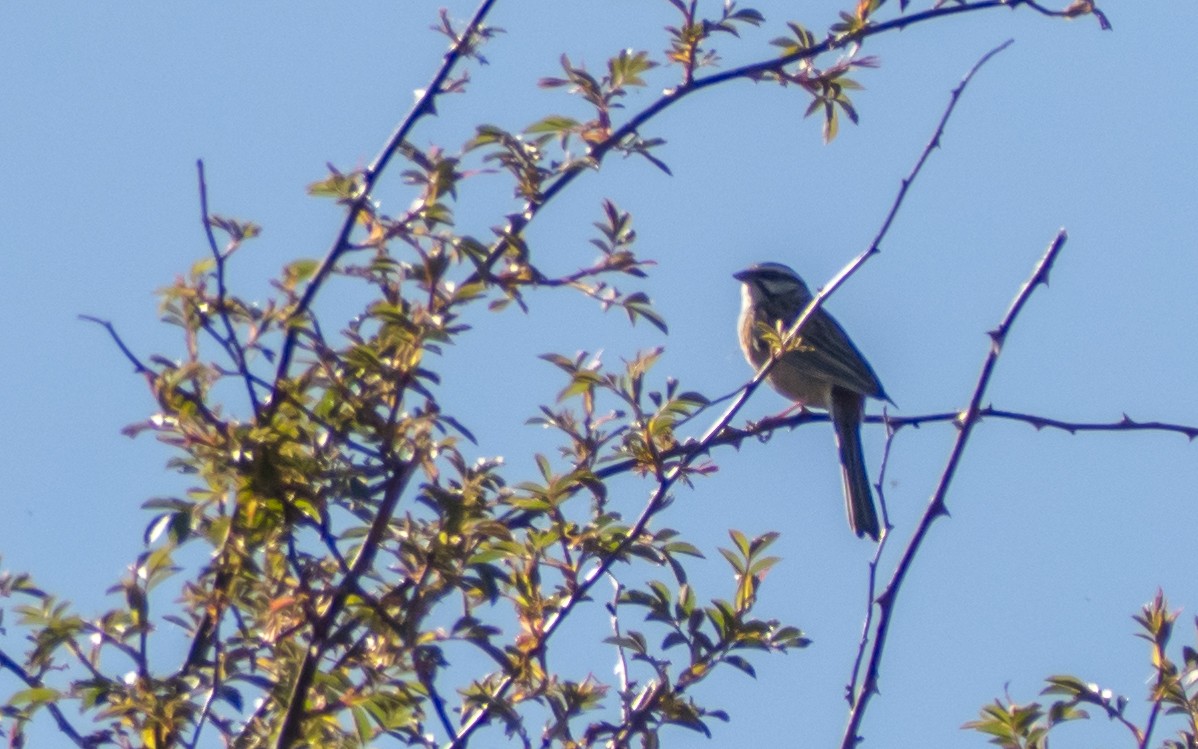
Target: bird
(825, 371)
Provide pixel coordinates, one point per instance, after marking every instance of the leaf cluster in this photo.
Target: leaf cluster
(1171, 694)
(362, 577)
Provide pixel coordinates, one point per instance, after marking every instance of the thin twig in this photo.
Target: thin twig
(138, 366)
(880, 485)
(439, 707)
(150, 374)
(934, 142)
(222, 293)
(1125, 423)
(210, 699)
(936, 505)
(1074, 10)
(850, 692)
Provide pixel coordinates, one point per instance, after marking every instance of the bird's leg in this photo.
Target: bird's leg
(797, 407)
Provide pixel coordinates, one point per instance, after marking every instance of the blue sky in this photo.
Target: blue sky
(1054, 540)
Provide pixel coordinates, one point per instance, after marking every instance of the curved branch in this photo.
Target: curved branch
(872, 579)
(934, 142)
(138, 366)
(519, 222)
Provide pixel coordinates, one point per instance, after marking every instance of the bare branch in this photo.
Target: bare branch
(871, 586)
(621, 659)
(1125, 424)
(933, 143)
(936, 506)
(138, 366)
(1075, 9)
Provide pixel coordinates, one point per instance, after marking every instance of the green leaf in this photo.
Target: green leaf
(554, 124)
(1067, 685)
(682, 547)
(299, 271)
(762, 565)
(740, 663)
(625, 68)
(638, 305)
(337, 185)
(633, 641)
(34, 696)
(741, 541)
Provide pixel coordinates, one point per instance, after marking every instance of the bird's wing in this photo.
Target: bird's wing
(826, 351)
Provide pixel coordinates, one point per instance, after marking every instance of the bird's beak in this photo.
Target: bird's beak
(741, 276)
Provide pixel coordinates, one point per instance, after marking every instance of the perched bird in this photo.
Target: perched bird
(826, 371)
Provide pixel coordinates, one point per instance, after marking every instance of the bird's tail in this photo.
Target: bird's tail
(846, 412)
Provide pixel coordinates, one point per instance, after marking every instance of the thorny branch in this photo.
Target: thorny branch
(872, 582)
(969, 418)
(715, 432)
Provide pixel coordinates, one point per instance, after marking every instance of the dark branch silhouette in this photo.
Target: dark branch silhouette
(936, 506)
